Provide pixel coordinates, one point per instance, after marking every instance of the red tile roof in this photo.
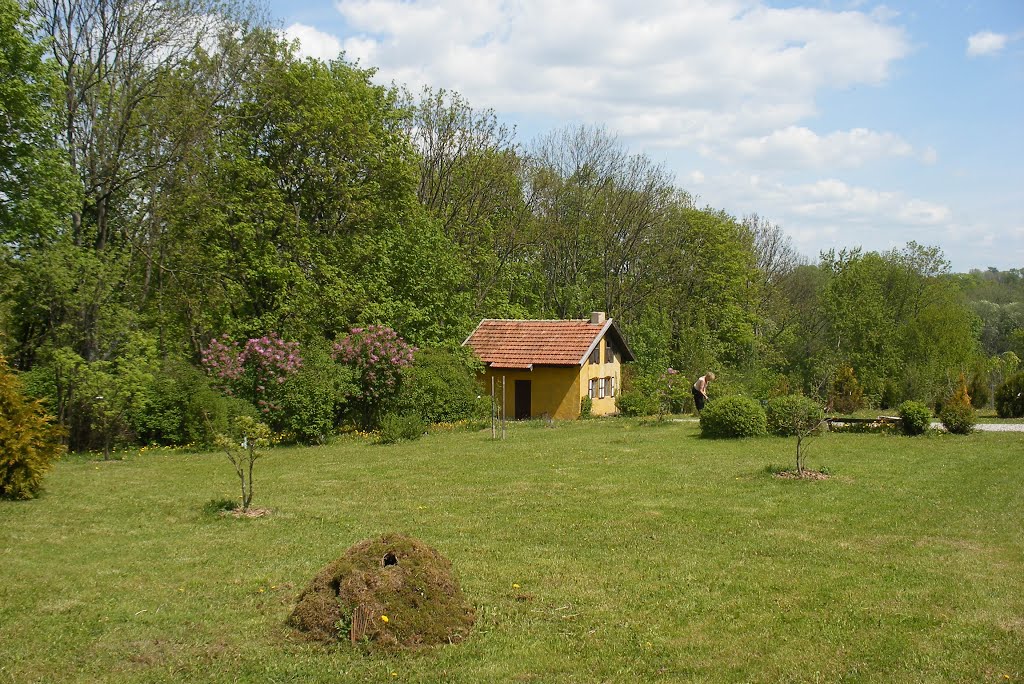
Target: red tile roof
(522, 344)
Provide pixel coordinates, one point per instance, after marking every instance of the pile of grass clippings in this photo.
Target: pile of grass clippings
(393, 591)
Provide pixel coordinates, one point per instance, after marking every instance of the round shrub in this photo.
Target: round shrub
(1010, 397)
(441, 387)
(29, 444)
(791, 414)
(915, 418)
(958, 418)
(735, 416)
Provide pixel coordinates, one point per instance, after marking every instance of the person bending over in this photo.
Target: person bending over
(700, 390)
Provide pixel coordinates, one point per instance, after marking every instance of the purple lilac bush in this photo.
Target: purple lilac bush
(254, 371)
(377, 355)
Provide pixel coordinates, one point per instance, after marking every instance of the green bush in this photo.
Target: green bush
(958, 415)
(958, 418)
(395, 428)
(586, 406)
(846, 394)
(636, 402)
(29, 444)
(890, 397)
(639, 396)
(735, 416)
(441, 387)
(311, 401)
(180, 407)
(1010, 397)
(789, 414)
(915, 418)
(674, 393)
(978, 390)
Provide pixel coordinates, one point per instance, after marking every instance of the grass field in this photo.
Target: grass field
(642, 553)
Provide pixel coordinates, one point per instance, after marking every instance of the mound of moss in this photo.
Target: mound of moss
(393, 591)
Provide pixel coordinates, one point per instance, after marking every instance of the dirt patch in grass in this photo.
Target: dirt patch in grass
(392, 591)
(807, 475)
(250, 513)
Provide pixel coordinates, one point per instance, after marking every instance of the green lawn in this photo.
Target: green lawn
(643, 553)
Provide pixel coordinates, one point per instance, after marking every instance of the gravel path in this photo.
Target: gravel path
(991, 427)
(980, 427)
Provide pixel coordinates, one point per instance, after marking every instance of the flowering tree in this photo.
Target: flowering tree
(254, 371)
(377, 355)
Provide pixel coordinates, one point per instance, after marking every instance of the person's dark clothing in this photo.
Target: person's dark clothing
(698, 399)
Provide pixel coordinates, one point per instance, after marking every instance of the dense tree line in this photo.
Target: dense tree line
(173, 172)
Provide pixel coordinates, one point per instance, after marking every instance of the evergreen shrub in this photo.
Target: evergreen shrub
(957, 414)
(789, 414)
(915, 418)
(846, 394)
(735, 416)
(29, 443)
(1010, 397)
(978, 390)
(958, 418)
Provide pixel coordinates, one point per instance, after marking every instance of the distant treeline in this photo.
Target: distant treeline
(171, 172)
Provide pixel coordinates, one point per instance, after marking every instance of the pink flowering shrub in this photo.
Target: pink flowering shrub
(255, 371)
(377, 356)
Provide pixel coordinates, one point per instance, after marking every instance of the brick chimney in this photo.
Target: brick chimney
(597, 317)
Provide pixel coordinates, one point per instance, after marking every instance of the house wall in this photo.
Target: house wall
(554, 390)
(608, 368)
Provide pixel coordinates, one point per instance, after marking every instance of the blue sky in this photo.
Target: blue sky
(846, 123)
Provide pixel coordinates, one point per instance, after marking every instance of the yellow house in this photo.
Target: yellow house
(548, 367)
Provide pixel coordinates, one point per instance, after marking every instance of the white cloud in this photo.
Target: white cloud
(802, 147)
(668, 73)
(313, 42)
(832, 213)
(985, 43)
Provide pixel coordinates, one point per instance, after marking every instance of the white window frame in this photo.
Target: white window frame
(601, 384)
(592, 388)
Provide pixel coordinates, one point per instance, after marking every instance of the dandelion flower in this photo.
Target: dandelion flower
(384, 618)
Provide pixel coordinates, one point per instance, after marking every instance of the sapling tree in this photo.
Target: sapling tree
(797, 416)
(243, 451)
(806, 420)
(377, 355)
